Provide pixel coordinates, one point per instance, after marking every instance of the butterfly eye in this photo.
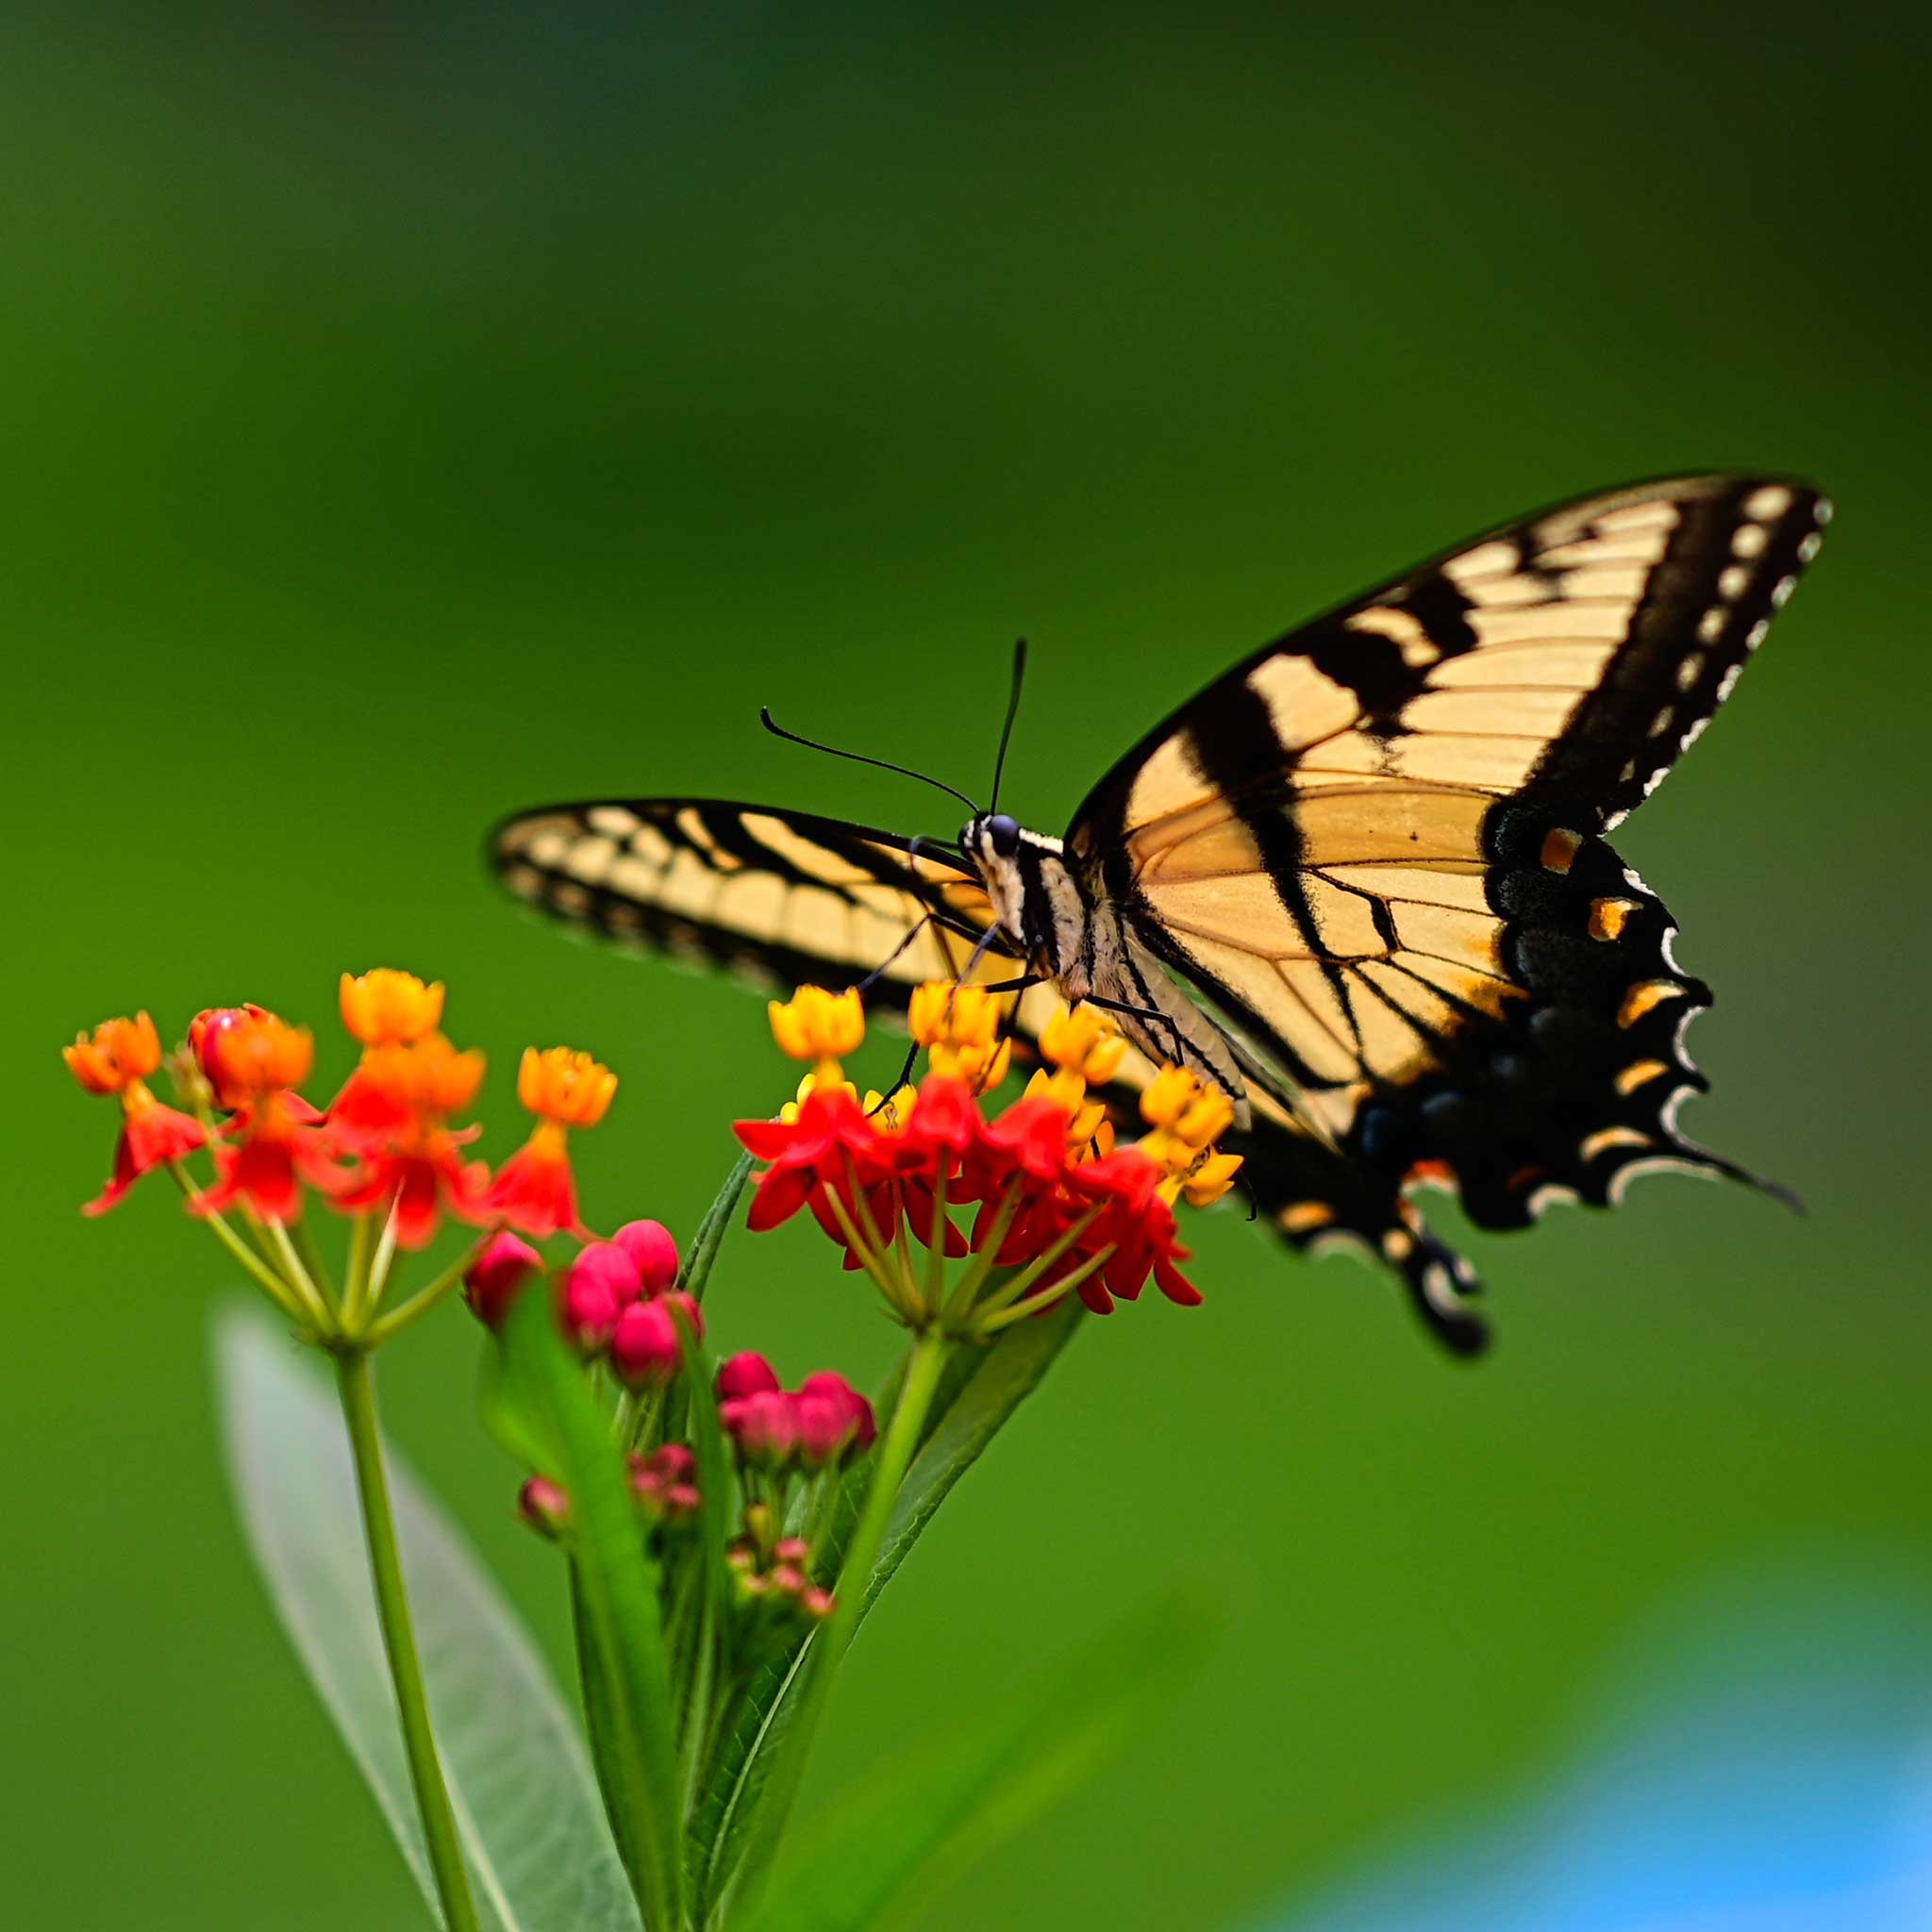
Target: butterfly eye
(1003, 835)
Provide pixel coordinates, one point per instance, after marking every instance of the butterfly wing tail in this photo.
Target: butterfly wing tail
(1314, 1200)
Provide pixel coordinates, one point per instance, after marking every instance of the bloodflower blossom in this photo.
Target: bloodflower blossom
(1057, 1208)
(392, 1114)
(254, 1061)
(384, 1007)
(534, 1190)
(116, 1060)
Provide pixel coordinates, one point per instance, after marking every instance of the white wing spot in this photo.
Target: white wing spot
(1748, 539)
(1772, 501)
(1809, 547)
(1782, 590)
(1754, 636)
(613, 820)
(1732, 580)
(1710, 626)
(1688, 669)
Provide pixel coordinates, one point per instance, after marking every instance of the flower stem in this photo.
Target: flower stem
(828, 1647)
(420, 1302)
(258, 1270)
(404, 1668)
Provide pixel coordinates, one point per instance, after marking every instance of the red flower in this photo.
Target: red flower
(828, 1133)
(534, 1190)
(114, 1060)
(392, 1113)
(254, 1061)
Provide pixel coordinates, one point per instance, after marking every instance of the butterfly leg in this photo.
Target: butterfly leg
(1150, 1014)
(877, 973)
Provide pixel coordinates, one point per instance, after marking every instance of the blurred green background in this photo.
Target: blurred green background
(413, 414)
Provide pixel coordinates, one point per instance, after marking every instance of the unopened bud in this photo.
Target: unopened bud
(494, 1277)
(643, 1345)
(654, 1253)
(661, 1482)
(747, 1373)
(591, 1290)
(545, 1505)
(818, 1604)
(834, 1419)
(761, 1426)
(789, 1579)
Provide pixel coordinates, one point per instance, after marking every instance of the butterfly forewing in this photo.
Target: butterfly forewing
(779, 896)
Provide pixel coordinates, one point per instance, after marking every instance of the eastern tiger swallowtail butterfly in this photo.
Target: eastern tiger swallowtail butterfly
(1360, 880)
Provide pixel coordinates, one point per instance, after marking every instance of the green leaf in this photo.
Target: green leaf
(696, 1271)
(1007, 1372)
(617, 1600)
(539, 1853)
(915, 1822)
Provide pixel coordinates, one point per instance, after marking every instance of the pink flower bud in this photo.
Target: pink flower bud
(661, 1482)
(789, 1580)
(650, 1247)
(672, 1463)
(643, 1345)
(748, 1373)
(840, 1422)
(818, 1604)
(591, 1291)
(545, 1505)
(491, 1281)
(762, 1426)
(792, 1549)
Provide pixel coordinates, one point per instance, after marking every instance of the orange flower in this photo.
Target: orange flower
(246, 1052)
(394, 1086)
(114, 1060)
(562, 1084)
(534, 1190)
(385, 1008)
(254, 1061)
(393, 1112)
(121, 1051)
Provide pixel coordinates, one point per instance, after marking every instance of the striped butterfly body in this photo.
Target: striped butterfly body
(1360, 881)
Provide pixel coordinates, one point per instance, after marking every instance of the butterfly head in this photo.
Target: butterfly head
(993, 835)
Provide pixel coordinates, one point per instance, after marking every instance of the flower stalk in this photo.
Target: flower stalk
(357, 1388)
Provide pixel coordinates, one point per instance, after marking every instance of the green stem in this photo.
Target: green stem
(399, 1641)
(309, 1295)
(258, 1270)
(828, 1648)
(420, 1302)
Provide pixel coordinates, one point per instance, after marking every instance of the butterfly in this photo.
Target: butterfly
(1360, 882)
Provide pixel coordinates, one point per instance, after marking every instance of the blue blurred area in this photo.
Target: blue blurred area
(1762, 1763)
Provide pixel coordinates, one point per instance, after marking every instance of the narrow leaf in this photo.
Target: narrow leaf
(761, 1727)
(541, 1857)
(918, 1820)
(617, 1601)
(696, 1271)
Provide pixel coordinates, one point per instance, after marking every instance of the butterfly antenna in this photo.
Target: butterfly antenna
(999, 764)
(858, 757)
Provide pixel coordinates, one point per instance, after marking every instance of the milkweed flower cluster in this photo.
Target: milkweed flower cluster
(387, 1151)
(1035, 1202)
